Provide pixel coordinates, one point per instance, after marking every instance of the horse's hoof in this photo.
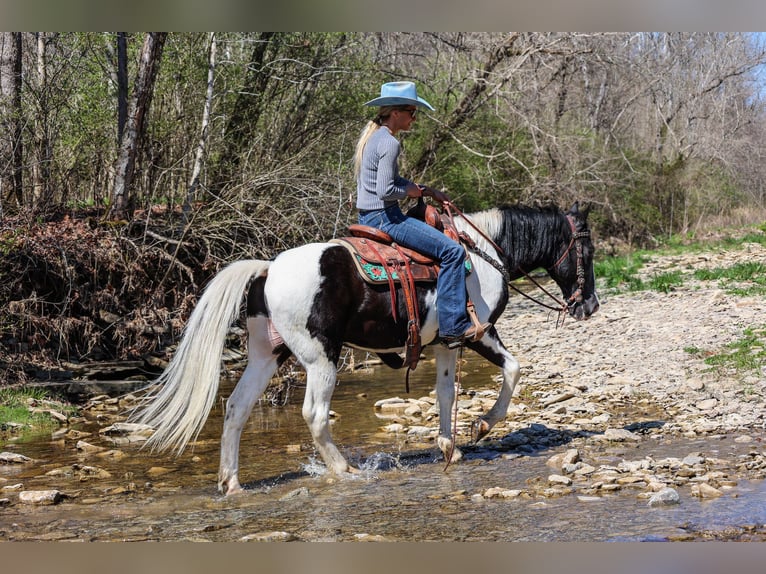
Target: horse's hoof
(230, 489)
(479, 429)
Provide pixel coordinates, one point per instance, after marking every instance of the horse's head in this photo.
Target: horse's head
(573, 271)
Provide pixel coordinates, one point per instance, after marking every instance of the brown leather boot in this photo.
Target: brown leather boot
(470, 335)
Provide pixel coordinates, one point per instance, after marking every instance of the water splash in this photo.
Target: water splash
(314, 467)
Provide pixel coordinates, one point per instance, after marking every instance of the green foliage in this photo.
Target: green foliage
(665, 282)
(620, 272)
(746, 354)
(15, 407)
(730, 278)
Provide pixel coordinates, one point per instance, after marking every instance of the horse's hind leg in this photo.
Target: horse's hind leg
(320, 384)
(261, 364)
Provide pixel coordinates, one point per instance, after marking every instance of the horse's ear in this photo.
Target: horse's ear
(575, 209)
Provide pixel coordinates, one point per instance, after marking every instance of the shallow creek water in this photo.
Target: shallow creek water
(403, 493)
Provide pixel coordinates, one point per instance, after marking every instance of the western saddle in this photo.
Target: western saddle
(380, 260)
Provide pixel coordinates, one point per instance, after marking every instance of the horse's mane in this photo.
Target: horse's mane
(523, 232)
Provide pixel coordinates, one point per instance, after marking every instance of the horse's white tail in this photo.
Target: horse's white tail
(187, 388)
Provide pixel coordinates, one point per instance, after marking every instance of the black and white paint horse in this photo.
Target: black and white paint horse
(314, 298)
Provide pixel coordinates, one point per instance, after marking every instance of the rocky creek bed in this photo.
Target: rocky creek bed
(621, 407)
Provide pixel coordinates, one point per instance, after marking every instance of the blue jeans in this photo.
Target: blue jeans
(409, 232)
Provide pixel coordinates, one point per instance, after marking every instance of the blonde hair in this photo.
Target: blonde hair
(371, 127)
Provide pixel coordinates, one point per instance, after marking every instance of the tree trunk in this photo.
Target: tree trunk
(41, 168)
(247, 110)
(122, 84)
(151, 54)
(198, 157)
(11, 148)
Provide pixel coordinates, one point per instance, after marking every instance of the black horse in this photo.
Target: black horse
(311, 301)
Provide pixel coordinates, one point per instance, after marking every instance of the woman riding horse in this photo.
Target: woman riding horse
(379, 189)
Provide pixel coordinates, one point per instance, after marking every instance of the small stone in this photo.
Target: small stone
(559, 479)
(707, 404)
(12, 487)
(619, 435)
(40, 497)
(364, 537)
(301, 492)
(88, 448)
(704, 490)
(13, 458)
(156, 471)
(665, 497)
(695, 384)
(276, 536)
(693, 459)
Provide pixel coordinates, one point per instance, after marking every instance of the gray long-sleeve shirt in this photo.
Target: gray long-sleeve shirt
(380, 184)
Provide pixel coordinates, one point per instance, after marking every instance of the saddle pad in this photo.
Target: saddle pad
(373, 270)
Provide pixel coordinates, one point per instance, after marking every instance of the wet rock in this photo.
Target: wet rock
(499, 492)
(422, 431)
(364, 537)
(664, 497)
(88, 448)
(13, 458)
(79, 471)
(301, 492)
(275, 536)
(40, 497)
(124, 433)
(157, 471)
(559, 479)
(693, 460)
(560, 460)
(113, 454)
(704, 490)
(618, 435)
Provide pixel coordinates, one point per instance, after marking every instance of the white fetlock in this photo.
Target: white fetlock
(445, 445)
(230, 487)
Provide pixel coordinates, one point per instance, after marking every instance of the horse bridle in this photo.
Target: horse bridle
(575, 241)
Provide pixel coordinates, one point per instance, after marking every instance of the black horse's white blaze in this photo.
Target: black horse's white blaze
(314, 298)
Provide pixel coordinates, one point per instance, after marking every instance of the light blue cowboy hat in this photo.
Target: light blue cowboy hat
(399, 94)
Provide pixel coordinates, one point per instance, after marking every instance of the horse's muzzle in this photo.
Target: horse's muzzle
(582, 310)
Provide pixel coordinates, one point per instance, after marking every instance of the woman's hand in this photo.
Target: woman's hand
(437, 194)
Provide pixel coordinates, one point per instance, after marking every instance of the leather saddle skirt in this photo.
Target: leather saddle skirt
(379, 261)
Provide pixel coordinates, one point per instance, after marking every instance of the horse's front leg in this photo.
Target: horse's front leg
(494, 351)
(320, 384)
(445, 396)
